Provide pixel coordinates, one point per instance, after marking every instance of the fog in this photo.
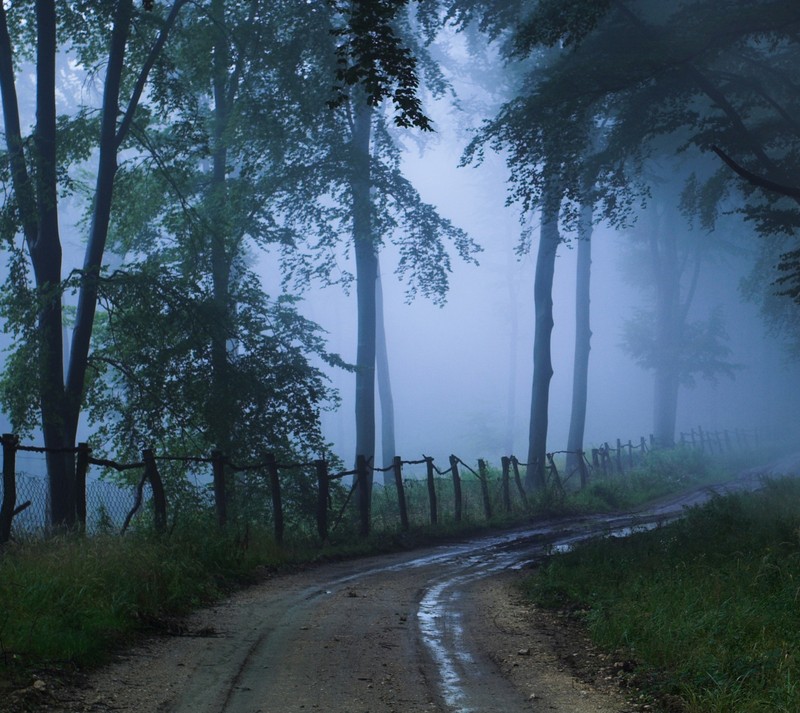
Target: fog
(462, 374)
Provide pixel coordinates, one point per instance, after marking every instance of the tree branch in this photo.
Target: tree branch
(141, 80)
(792, 192)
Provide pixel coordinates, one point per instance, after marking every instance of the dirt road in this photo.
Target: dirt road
(440, 630)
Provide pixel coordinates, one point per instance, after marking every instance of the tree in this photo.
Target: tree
(360, 189)
(35, 179)
(225, 168)
(696, 75)
(549, 239)
(388, 447)
(583, 337)
(545, 150)
(665, 339)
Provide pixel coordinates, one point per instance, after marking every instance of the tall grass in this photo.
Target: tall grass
(74, 598)
(708, 606)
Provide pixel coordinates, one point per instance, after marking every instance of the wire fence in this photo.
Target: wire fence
(107, 505)
(303, 496)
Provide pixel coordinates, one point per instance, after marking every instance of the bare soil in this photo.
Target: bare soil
(352, 650)
(356, 637)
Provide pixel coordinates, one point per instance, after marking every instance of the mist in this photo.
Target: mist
(461, 373)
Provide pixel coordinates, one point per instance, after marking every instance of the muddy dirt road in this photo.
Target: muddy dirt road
(439, 630)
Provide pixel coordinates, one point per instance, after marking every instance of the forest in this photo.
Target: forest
(187, 184)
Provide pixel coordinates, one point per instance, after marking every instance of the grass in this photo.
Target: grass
(708, 606)
(72, 600)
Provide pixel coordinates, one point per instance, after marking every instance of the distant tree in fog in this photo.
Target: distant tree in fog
(698, 74)
(668, 262)
(549, 149)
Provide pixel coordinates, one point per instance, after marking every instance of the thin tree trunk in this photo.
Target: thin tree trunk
(669, 325)
(366, 276)
(101, 216)
(583, 338)
(542, 363)
(511, 384)
(384, 384)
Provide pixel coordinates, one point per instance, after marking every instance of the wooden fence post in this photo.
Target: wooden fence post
(457, 501)
(323, 496)
(81, 468)
(484, 478)
(523, 496)
(643, 446)
(506, 464)
(362, 484)
(556, 477)
(606, 458)
(619, 457)
(630, 454)
(218, 464)
(397, 466)
(584, 471)
(431, 490)
(157, 486)
(9, 442)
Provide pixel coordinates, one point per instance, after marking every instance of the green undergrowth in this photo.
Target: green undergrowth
(708, 607)
(72, 600)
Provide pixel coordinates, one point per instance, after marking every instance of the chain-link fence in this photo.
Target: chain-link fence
(107, 505)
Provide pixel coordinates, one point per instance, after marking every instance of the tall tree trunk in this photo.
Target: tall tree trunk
(366, 276)
(542, 363)
(668, 329)
(220, 415)
(384, 383)
(45, 254)
(583, 338)
(513, 337)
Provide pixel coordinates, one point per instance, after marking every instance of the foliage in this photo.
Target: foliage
(707, 603)
(701, 351)
(19, 381)
(77, 598)
(371, 55)
(654, 80)
(152, 362)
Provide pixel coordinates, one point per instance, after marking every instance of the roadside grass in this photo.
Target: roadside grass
(72, 600)
(706, 606)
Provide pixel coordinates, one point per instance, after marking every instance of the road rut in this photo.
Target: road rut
(438, 630)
